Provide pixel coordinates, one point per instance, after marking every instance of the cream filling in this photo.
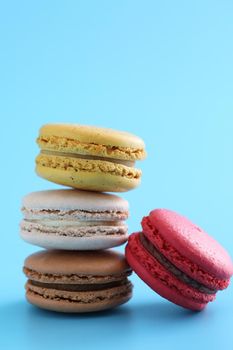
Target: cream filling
(73, 223)
(127, 163)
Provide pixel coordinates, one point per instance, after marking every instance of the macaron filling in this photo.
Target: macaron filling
(79, 287)
(73, 223)
(151, 249)
(127, 163)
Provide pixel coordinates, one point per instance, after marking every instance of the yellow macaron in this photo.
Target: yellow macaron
(89, 157)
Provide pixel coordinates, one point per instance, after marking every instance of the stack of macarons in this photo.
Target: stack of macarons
(77, 272)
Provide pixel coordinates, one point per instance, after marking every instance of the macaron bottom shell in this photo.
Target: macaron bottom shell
(138, 257)
(91, 181)
(78, 302)
(53, 241)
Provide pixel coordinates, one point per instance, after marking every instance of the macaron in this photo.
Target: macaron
(178, 260)
(89, 158)
(74, 220)
(72, 281)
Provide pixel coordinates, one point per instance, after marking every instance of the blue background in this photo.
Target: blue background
(160, 69)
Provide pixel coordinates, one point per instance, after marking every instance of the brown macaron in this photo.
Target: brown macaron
(77, 281)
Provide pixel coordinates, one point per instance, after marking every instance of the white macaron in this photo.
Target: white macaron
(74, 220)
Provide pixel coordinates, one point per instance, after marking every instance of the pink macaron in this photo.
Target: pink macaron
(178, 260)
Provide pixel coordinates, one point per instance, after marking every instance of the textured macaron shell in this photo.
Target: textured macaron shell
(186, 244)
(81, 302)
(102, 238)
(94, 136)
(74, 200)
(160, 279)
(98, 263)
(86, 176)
(178, 260)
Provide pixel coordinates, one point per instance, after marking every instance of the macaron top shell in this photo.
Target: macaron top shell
(61, 262)
(70, 199)
(192, 242)
(89, 134)
(130, 146)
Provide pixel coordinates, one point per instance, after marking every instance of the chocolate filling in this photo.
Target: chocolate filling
(79, 287)
(172, 268)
